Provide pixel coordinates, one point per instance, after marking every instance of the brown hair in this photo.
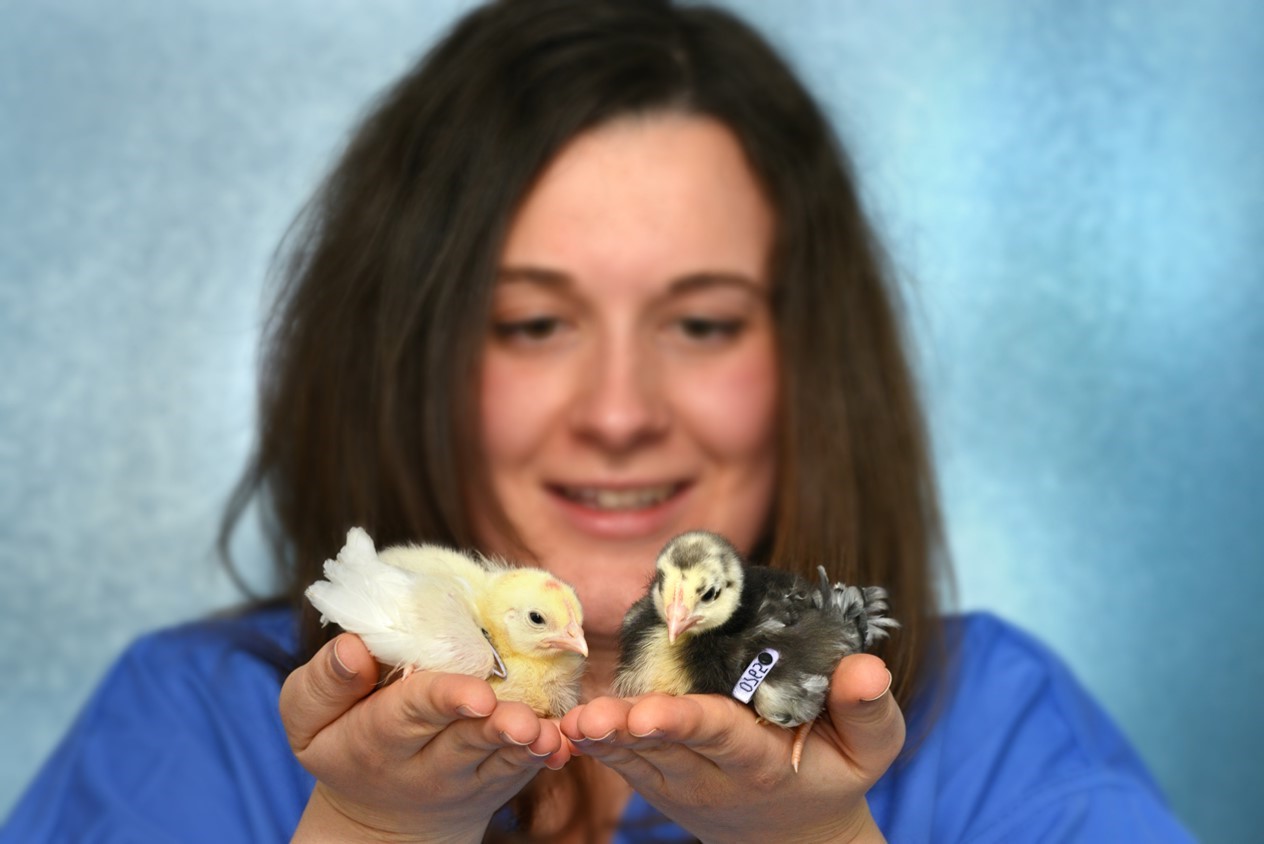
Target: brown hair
(367, 401)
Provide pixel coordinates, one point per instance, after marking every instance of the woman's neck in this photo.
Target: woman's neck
(580, 804)
(603, 659)
(585, 791)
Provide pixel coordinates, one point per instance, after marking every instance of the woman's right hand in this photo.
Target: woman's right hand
(430, 758)
(706, 762)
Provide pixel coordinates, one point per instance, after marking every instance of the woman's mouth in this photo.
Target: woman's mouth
(616, 500)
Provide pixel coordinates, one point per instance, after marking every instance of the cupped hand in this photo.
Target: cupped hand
(705, 762)
(428, 758)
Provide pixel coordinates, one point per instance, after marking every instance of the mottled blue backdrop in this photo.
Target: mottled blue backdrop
(1074, 191)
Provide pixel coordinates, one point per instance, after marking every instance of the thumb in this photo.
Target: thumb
(865, 714)
(318, 693)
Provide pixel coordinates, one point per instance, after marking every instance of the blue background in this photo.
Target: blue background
(1074, 192)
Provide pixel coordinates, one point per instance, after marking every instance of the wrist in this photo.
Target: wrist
(327, 819)
(860, 828)
(855, 827)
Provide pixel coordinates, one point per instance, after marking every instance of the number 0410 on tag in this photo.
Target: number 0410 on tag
(755, 674)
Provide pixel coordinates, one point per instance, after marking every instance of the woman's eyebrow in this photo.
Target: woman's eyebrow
(709, 280)
(536, 275)
(689, 283)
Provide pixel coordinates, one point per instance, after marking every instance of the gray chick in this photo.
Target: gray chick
(711, 624)
(799, 637)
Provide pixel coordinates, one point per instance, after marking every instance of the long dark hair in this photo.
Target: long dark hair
(368, 392)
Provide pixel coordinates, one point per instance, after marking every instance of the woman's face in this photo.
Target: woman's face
(629, 383)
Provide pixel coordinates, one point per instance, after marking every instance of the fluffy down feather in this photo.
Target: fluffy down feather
(707, 615)
(431, 608)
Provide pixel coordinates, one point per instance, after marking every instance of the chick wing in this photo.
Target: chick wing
(416, 610)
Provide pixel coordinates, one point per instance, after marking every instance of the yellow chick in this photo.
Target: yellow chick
(431, 608)
(536, 624)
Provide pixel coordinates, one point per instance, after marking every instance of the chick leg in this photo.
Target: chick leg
(800, 739)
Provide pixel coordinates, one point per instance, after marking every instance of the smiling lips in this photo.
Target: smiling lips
(628, 498)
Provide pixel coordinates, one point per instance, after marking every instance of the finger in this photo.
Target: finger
(507, 743)
(569, 723)
(419, 707)
(511, 725)
(515, 724)
(601, 720)
(600, 729)
(692, 739)
(508, 749)
(712, 726)
(557, 760)
(864, 712)
(317, 693)
(551, 745)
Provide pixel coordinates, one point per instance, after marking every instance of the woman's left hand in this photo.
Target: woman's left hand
(705, 762)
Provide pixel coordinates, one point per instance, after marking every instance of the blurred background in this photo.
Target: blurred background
(1074, 192)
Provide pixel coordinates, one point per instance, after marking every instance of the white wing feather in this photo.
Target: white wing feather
(421, 617)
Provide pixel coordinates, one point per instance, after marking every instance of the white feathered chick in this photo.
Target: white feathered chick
(431, 608)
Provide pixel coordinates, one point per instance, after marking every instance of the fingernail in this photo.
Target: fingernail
(881, 694)
(654, 731)
(556, 766)
(469, 712)
(545, 755)
(340, 668)
(586, 743)
(508, 739)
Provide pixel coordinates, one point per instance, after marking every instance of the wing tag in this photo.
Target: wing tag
(499, 670)
(755, 674)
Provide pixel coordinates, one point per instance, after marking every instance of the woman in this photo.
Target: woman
(592, 274)
(643, 333)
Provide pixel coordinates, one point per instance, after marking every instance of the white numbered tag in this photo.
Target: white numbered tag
(753, 677)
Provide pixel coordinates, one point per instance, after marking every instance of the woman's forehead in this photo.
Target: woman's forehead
(668, 197)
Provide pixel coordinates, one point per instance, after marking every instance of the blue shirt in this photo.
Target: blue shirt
(183, 742)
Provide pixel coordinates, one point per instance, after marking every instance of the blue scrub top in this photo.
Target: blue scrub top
(183, 742)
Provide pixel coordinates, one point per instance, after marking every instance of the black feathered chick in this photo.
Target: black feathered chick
(707, 619)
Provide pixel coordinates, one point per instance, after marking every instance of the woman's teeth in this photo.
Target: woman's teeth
(620, 499)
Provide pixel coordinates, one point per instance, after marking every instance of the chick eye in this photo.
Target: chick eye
(535, 617)
(710, 595)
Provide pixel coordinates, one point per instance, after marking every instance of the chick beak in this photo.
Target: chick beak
(573, 640)
(679, 618)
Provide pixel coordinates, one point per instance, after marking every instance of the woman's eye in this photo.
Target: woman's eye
(533, 330)
(535, 617)
(710, 330)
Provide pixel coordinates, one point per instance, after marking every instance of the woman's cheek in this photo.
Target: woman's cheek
(516, 400)
(733, 408)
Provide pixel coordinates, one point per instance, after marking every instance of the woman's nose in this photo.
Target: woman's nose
(620, 404)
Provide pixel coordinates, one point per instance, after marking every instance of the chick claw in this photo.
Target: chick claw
(800, 739)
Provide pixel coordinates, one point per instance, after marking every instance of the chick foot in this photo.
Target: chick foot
(800, 739)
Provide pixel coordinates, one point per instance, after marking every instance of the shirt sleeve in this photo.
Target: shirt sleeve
(1089, 809)
(181, 742)
(1015, 750)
